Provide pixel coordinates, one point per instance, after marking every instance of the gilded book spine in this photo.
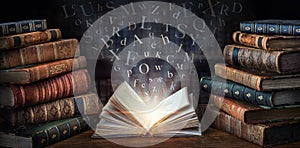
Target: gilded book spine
(253, 40)
(52, 132)
(41, 71)
(56, 68)
(252, 58)
(61, 86)
(230, 107)
(270, 28)
(39, 53)
(22, 27)
(238, 76)
(27, 39)
(236, 91)
(252, 133)
(87, 104)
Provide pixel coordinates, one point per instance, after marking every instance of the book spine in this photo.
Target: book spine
(230, 107)
(12, 28)
(51, 69)
(249, 132)
(252, 58)
(252, 40)
(87, 104)
(27, 39)
(238, 76)
(61, 86)
(55, 132)
(270, 28)
(236, 91)
(39, 53)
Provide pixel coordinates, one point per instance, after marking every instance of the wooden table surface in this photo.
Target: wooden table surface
(212, 138)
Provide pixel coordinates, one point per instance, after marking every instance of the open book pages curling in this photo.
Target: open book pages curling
(126, 114)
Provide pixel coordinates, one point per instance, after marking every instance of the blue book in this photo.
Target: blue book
(271, 27)
(25, 26)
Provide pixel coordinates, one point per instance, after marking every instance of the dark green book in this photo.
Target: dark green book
(41, 135)
(237, 91)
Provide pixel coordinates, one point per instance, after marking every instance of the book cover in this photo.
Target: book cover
(23, 26)
(35, 72)
(271, 26)
(43, 134)
(27, 39)
(46, 90)
(54, 110)
(257, 80)
(281, 62)
(123, 117)
(254, 114)
(267, 42)
(237, 91)
(44, 52)
(266, 135)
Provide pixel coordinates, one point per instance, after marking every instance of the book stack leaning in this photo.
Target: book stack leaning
(40, 73)
(257, 88)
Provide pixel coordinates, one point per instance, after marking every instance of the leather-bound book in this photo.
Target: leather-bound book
(254, 114)
(282, 62)
(85, 104)
(44, 52)
(66, 85)
(35, 72)
(27, 39)
(267, 42)
(258, 80)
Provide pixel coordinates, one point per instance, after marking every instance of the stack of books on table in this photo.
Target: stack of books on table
(45, 86)
(257, 88)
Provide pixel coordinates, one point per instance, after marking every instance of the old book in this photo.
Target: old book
(85, 104)
(267, 42)
(258, 80)
(233, 90)
(254, 114)
(43, 134)
(282, 62)
(23, 26)
(271, 26)
(35, 72)
(123, 117)
(266, 135)
(46, 90)
(27, 39)
(44, 52)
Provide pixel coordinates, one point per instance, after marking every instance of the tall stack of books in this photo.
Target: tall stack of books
(45, 85)
(257, 88)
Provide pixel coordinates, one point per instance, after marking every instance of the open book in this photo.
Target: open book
(126, 114)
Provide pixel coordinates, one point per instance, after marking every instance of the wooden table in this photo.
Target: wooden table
(212, 138)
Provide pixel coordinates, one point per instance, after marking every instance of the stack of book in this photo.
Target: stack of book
(45, 85)
(257, 88)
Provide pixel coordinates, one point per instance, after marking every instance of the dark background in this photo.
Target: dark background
(14, 10)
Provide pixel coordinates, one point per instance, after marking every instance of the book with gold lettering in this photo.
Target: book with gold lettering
(35, 72)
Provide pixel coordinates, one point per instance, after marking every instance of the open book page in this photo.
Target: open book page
(126, 111)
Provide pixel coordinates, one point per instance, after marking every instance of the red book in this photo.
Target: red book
(46, 90)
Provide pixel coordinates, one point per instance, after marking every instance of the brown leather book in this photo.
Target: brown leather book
(256, 79)
(44, 52)
(286, 61)
(61, 86)
(254, 114)
(54, 110)
(269, 134)
(31, 73)
(267, 42)
(27, 39)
